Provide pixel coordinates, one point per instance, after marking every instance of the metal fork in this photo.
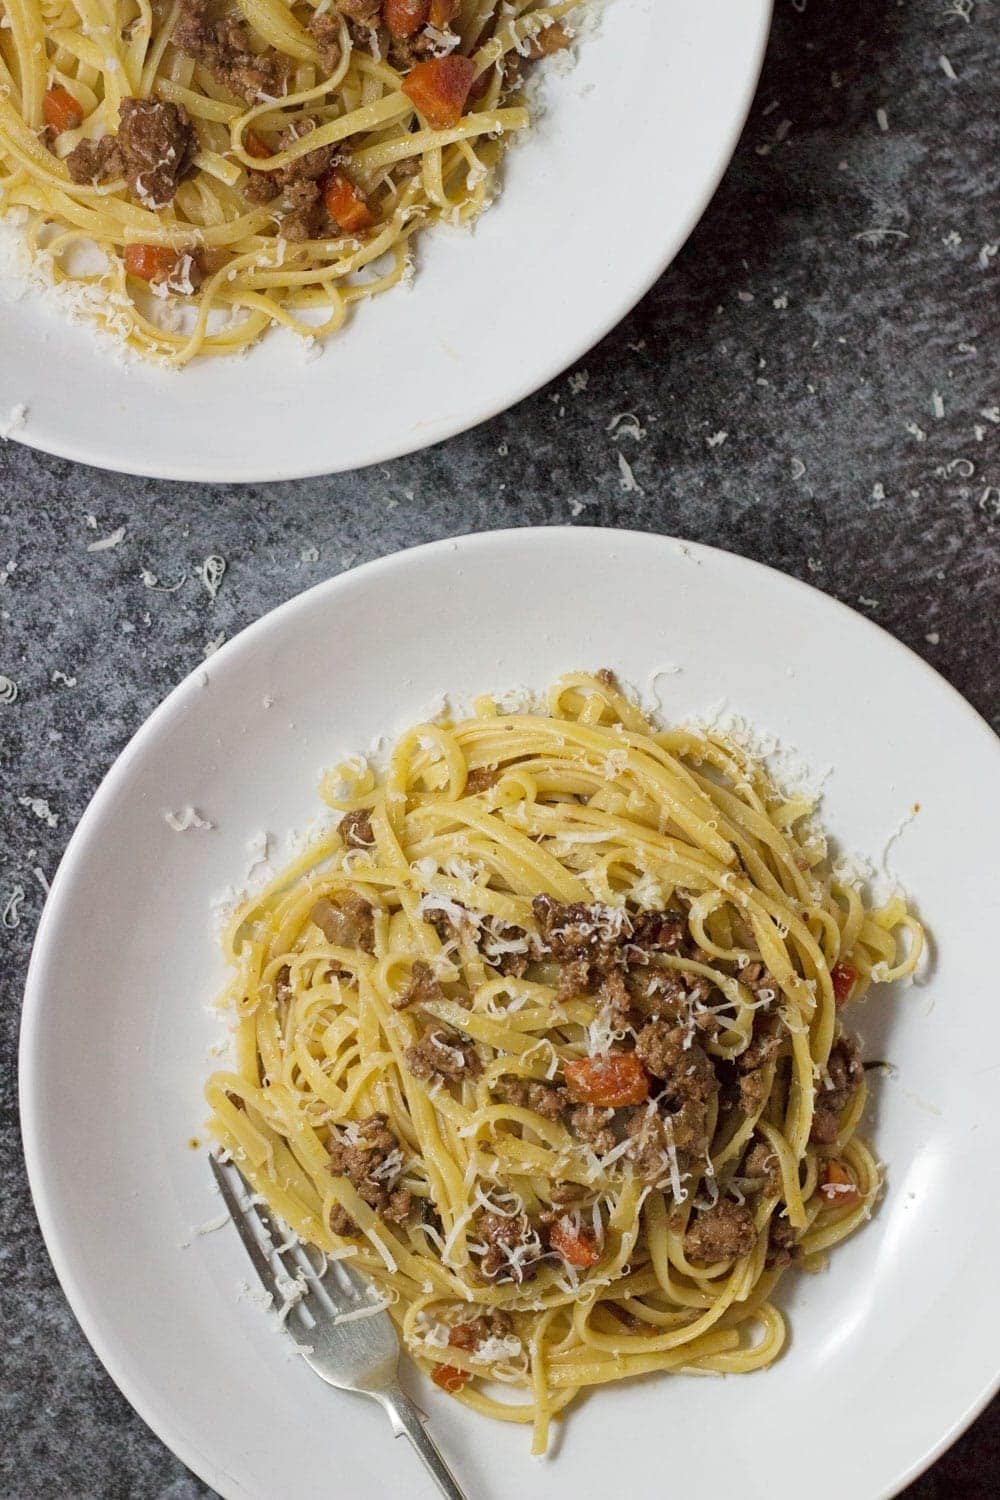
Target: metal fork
(356, 1354)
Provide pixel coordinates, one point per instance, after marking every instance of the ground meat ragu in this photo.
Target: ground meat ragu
(480, 780)
(365, 1157)
(780, 1242)
(722, 1232)
(442, 1054)
(423, 986)
(649, 1151)
(222, 46)
(96, 162)
(157, 145)
(356, 829)
(752, 1064)
(301, 213)
(543, 1099)
(495, 1324)
(845, 1070)
(513, 1247)
(761, 1165)
(593, 1126)
(326, 34)
(602, 949)
(690, 1085)
(348, 921)
(365, 11)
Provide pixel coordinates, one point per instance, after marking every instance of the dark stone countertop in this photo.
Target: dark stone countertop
(846, 271)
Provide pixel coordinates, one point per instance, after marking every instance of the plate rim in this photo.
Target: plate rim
(157, 1417)
(518, 388)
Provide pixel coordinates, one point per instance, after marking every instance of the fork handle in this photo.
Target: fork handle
(406, 1419)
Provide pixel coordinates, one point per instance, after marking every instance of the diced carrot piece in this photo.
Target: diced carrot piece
(554, 38)
(462, 1336)
(61, 111)
(404, 17)
(449, 1378)
(346, 203)
(838, 1186)
(150, 262)
(576, 1246)
(612, 1081)
(254, 145)
(844, 977)
(439, 87)
(442, 13)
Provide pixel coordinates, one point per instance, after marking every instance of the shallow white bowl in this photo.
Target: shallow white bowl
(596, 202)
(893, 1349)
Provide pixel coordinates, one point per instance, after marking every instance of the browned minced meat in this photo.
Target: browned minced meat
(605, 675)
(757, 979)
(575, 935)
(157, 144)
(481, 779)
(359, 1163)
(781, 1246)
(348, 921)
(569, 931)
(658, 992)
(356, 829)
(93, 162)
(223, 47)
(423, 986)
(763, 1043)
(574, 979)
(301, 213)
(721, 1233)
(405, 51)
(496, 1232)
(761, 1163)
(846, 1071)
(496, 1324)
(613, 991)
(658, 932)
(544, 1099)
(593, 1125)
(690, 1082)
(311, 165)
(564, 1193)
(442, 1053)
(751, 1065)
(512, 965)
(359, 10)
(282, 986)
(326, 34)
(649, 1151)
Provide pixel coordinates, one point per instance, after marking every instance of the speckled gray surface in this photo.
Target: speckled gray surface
(785, 372)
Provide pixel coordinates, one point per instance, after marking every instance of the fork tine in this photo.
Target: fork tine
(264, 1259)
(261, 1262)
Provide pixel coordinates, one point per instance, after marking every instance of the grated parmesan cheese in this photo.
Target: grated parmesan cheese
(627, 480)
(187, 818)
(114, 539)
(14, 422)
(41, 809)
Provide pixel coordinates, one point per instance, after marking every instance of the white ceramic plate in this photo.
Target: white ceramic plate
(653, 107)
(893, 1349)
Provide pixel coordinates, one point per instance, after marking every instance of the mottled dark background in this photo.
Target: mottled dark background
(784, 370)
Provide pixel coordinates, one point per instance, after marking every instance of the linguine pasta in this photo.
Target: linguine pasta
(281, 158)
(547, 1035)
